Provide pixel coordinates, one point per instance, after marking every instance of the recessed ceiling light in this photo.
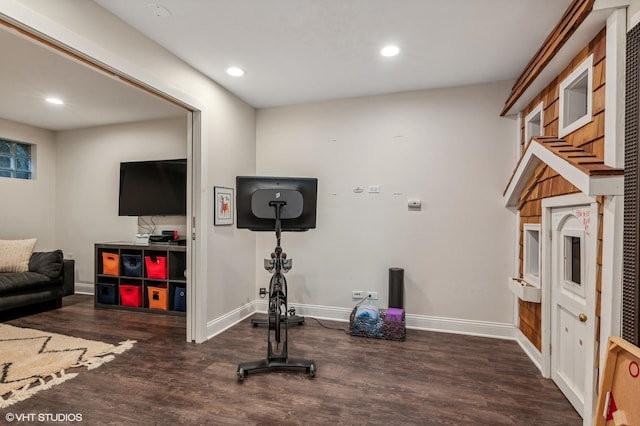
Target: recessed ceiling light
(56, 101)
(158, 11)
(235, 71)
(390, 51)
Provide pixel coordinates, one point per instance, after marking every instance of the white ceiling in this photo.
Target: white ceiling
(297, 51)
(294, 51)
(31, 72)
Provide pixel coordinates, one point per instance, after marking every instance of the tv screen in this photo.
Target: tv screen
(153, 188)
(254, 193)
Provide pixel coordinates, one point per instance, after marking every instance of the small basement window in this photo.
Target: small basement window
(575, 98)
(531, 253)
(15, 160)
(533, 123)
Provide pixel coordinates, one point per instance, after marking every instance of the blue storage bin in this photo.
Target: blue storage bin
(180, 299)
(108, 293)
(131, 265)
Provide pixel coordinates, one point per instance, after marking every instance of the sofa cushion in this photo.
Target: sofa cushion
(23, 282)
(15, 254)
(47, 263)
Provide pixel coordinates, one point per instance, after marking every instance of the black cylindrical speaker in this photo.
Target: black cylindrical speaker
(396, 288)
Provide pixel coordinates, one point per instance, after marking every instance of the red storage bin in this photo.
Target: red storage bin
(156, 267)
(131, 295)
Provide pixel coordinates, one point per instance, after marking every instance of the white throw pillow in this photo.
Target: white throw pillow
(15, 254)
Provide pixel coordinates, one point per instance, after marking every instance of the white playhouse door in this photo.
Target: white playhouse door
(573, 280)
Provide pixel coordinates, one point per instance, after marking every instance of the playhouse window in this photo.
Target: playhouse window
(575, 98)
(531, 254)
(533, 123)
(573, 260)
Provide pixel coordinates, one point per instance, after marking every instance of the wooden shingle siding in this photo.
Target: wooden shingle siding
(550, 98)
(575, 14)
(552, 129)
(530, 320)
(546, 182)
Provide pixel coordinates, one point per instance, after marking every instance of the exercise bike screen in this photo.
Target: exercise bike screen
(255, 193)
(262, 203)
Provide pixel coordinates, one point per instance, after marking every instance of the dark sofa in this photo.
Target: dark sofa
(50, 277)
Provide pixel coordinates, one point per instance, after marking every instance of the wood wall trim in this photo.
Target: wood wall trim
(575, 15)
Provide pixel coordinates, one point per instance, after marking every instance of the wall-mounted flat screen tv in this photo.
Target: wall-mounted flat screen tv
(153, 188)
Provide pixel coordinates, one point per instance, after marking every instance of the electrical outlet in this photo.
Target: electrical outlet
(373, 295)
(357, 294)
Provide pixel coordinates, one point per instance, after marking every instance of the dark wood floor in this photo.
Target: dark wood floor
(431, 378)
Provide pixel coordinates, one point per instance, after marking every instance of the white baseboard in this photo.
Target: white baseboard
(532, 352)
(417, 322)
(84, 288)
(229, 319)
(314, 311)
(494, 330)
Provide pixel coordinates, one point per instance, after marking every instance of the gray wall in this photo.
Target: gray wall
(88, 162)
(226, 147)
(27, 209)
(448, 148)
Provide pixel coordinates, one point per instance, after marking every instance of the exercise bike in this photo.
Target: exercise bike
(278, 313)
(291, 318)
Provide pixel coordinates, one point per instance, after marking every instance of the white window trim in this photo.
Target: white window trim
(531, 278)
(537, 110)
(586, 65)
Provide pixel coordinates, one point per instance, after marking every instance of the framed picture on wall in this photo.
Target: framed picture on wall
(223, 205)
